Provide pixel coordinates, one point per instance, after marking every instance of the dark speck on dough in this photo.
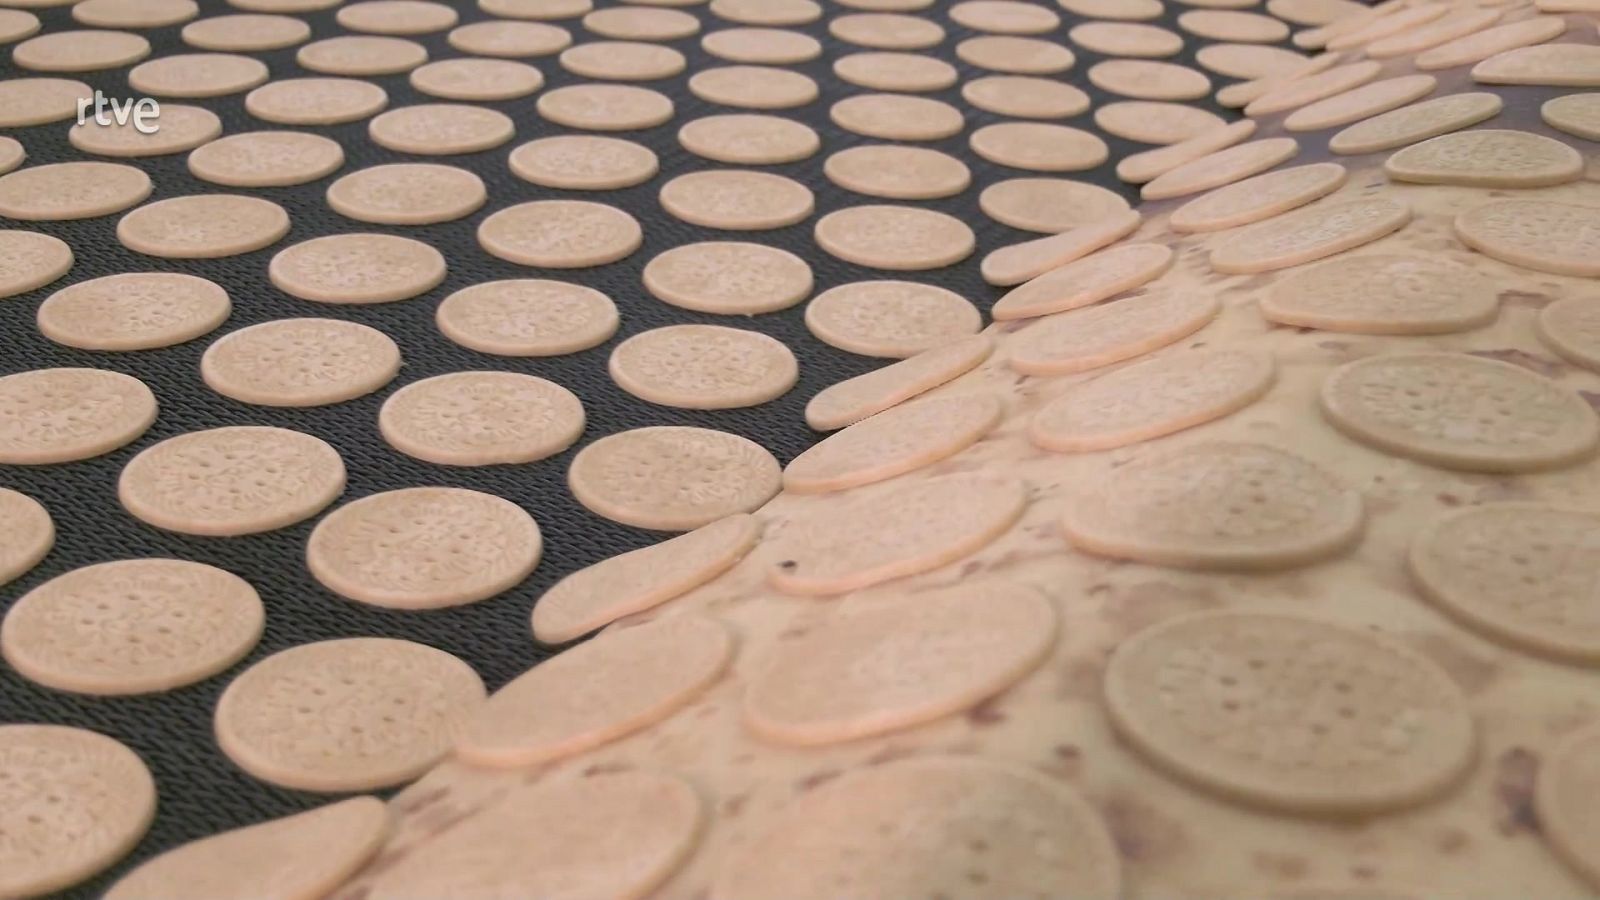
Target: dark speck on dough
(1364, 872)
(1449, 499)
(1591, 398)
(1453, 840)
(817, 778)
(986, 713)
(891, 753)
(788, 565)
(1143, 833)
(732, 806)
(1514, 774)
(1333, 346)
(606, 769)
(1547, 367)
(1283, 866)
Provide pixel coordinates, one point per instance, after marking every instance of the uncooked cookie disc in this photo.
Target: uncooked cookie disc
(1223, 167)
(476, 79)
(897, 117)
(622, 61)
(1487, 157)
(767, 12)
(897, 173)
(1314, 12)
(481, 419)
(583, 162)
(1151, 122)
(1129, 10)
(1384, 294)
(896, 441)
(1515, 572)
(728, 278)
(300, 362)
(1434, 33)
(135, 14)
(886, 31)
(361, 56)
(1257, 198)
(736, 200)
(1569, 777)
(133, 311)
(933, 522)
(638, 23)
(346, 715)
(266, 159)
(536, 9)
(761, 46)
(36, 101)
(749, 139)
(396, 16)
(71, 190)
(424, 548)
(1144, 79)
(1049, 205)
(500, 38)
(1460, 412)
(16, 24)
(854, 399)
(1483, 44)
(890, 71)
(316, 101)
(641, 579)
(1197, 695)
(132, 627)
(1560, 65)
(1004, 17)
(1024, 97)
(893, 319)
(895, 237)
(1233, 25)
(1151, 399)
(1017, 263)
(29, 534)
(608, 834)
(528, 317)
(1417, 122)
(246, 33)
(441, 129)
(76, 802)
(1571, 327)
(1538, 234)
(1310, 234)
(1098, 336)
(1307, 89)
(703, 367)
(282, 6)
(672, 478)
(181, 128)
(407, 194)
(232, 481)
(1360, 103)
(753, 87)
(50, 416)
(1402, 21)
(30, 260)
(605, 107)
(1085, 281)
(1125, 39)
(198, 75)
(590, 695)
(1249, 61)
(12, 154)
(1140, 168)
(203, 226)
(80, 51)
(357, 268)
(1016, 55)
(560, 234)
(1575, 114)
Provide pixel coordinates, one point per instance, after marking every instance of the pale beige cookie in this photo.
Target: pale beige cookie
(583, 162)
(753, 87)
(30, 260)
(246, 33)
(536, 9)
(1575, 114)
(232, 481)
(1152, 122)
(12, 154)
(894, 442)
(1460, 412)
(135, 14)
(609, 834)
(605, 107)
(886, 31)
(1128, 10)
(198, 75)
(1568, 779)
(897, 173)
(1308, 89)
(80, 51)
(560, 234)
(893, 319)
(71, 190)
(316, 101)
(1537, 234)
(767, 12)
(1017, 263)
(302, 855)
(622, 61)
(181, 128)
(1025, 97)
(1126, 39)
(1151, 164)
(500, 38)
(1309, 234)
(897, 117)
(761, 46)
(1085, 281)
(1483, 44)
(396, 16)
(1571, 327)
(641, 579)
(1098, 336)
(424, 548)
(1489, 158)
(133, 311)
(703, 367)
(441, 129)
(1151, 399)
(672, 478)
(1039, 146)
(849, 401)
(1383, 294)
(300, 362)
(1560, 65)
(346, 715)
(1016, 55)
(481, 419)
(16, 24)
(75, 802)
(737, 200)
(1357, 721)
(1242, 94)
(36, 101)
(749, 139)
(927, 827)
(1049, 205)
(894, 237)
(1448, 28)
(1398, 22)
(638, 23)
(1360, 103)
(132, 627)
(1314, 12)
(527, 317)
(1004, 17)
(1144, 79)
(203, 226)
(590, 695)
(282, 6)
(1417, 122)
(361, 56)
(266, 159)
(1257, 198)
(29, 535)
(407, 194)
(897, 531)
(1249, 60)
(50, 416)
(476, 79)
(728, 278)
(1233, 25)
(889, 71)
(1221, 168)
